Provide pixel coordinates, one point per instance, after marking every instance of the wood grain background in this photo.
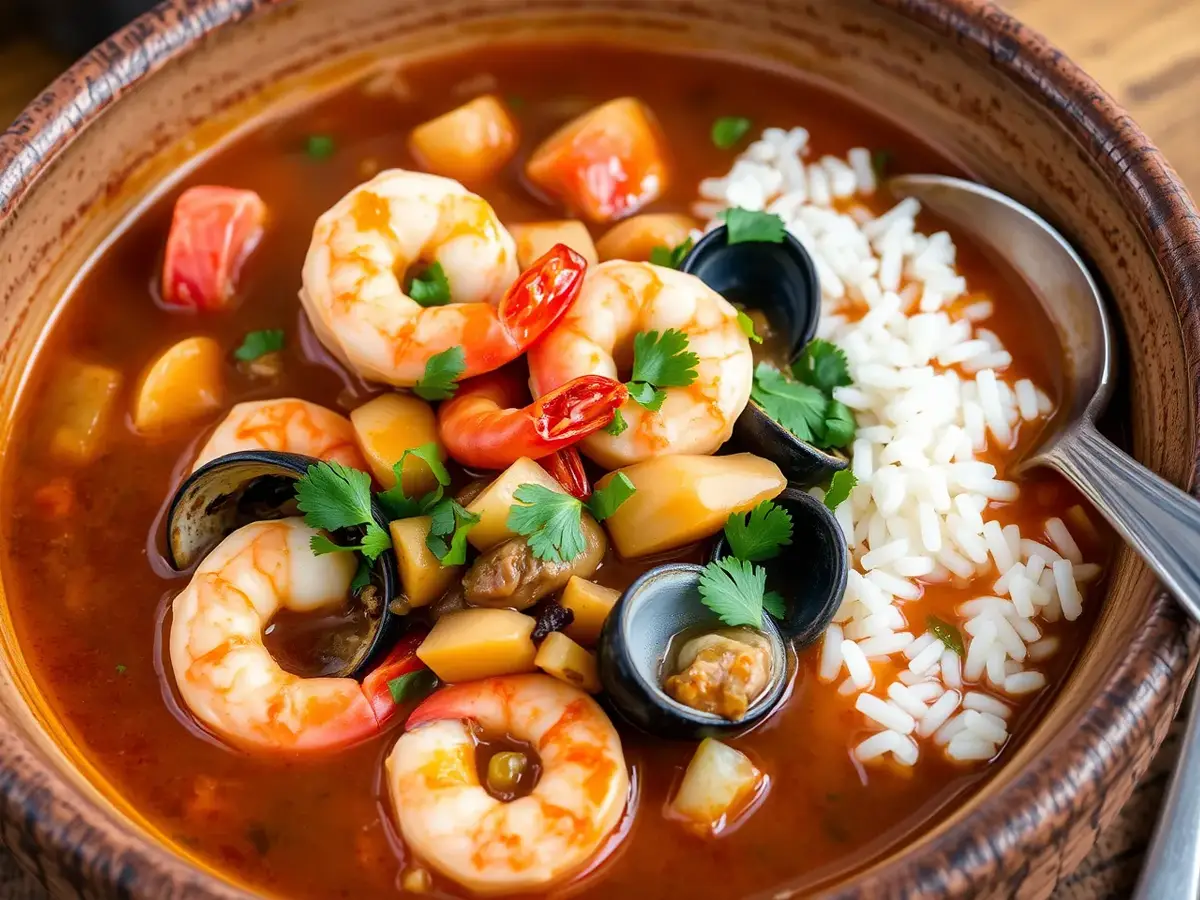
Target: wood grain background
(1146, 53)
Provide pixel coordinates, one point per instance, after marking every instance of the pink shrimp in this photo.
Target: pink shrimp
(213, 230)
(287, 425)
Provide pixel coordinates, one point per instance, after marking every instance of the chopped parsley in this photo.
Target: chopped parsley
(399, 505)
(617, 425)
(840, 486)
(552, 522)
(333, 497)
(806, 406)
(839, 425)
(660, 361)
(745, 226)
(450, 523)
(608, 499)
(319, 146)
(735, 590)
(747, 325)
(431, 287)
(823, 365)
(412, 685)
(259, 343)
(671, 257)
(759, 534)
(946, 633)
(728, 130)
(442, 370)
(121, 670)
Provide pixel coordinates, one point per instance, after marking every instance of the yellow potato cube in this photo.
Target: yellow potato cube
(534, 240)
(80, 404)
(717, 785)
(591, 603)
(423, 578)
(681, 499)
(387, 426)
(634, 238)
(494, 502)
(182, 385)
(469, 143)
(567, 661)
(479, 643)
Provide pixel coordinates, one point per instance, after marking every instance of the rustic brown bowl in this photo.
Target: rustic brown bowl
(1003, 102)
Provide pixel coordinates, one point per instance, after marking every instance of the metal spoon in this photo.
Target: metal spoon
(1159, 521)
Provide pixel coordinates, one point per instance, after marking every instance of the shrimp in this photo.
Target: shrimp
(227, 677)
(483, 427)
(213, 231)
(487, 845)
(287, 425)
(365, 245)
(620, 299)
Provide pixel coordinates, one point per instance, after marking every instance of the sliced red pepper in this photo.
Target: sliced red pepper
(567, 468)
(541, 294)
(213, 231)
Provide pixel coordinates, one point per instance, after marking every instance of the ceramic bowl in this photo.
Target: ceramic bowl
(996, 96)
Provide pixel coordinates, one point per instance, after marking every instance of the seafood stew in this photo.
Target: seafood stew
(450, 256)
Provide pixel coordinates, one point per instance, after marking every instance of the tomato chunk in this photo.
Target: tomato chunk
(213, 231)
(605, 164)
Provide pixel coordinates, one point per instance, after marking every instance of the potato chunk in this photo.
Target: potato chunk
(567, 661)
(681, 499)
(605, 164)
(591, 603)
(634, 238)
(534, 240)
(717, 785)
(423, 578)
(387, 426)
(494, 502)
(479, 643)
(80, 404)
(180, 386)
(470, 143)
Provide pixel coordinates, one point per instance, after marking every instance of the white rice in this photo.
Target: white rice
(931, 393)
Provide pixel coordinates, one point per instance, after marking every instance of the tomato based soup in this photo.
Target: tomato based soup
(90, 591)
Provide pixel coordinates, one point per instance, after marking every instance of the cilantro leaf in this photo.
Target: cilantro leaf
(607, 500)
(733, 589)
(823, 365)
(375, 542)
(334, 496)
(671, 257)
(663, 360)
(745, 225)
(761, 534)
(319, 146)
(800, 408)
(441, 371)
(362, 577)
(773, 603)
(946, 633)
(618, 423)
(450, 523)
(550, 520)
(646, 395)
(840, 486)
(399, 505)
(840, 425)
(728, 130)
(121, 670)
(259, 343)
(320, 545)
(747, 325)
(431, 287)
(412, 685)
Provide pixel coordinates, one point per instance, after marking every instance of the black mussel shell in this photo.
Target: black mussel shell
(801, 462)
(239, 488)
(661, 604)
(811, 572)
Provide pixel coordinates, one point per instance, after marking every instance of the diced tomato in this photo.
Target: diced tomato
(605, 164)
(213, 231)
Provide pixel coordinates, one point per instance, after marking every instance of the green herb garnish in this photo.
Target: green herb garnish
(840, 486)
(431, 287)
(735, 589)
(671, 257)
(319, 146)
(412, 685)
(121, 670)
(617, 425)
(442, 370)
(881, 161)
(450, 523)
(332, 497)
(747, 325)
(660, 361)
(399, 505)
(840, 425)
(800, 408)
(759, 534)
(608, 499)
(362, 576)
(259, 343)
(823, 365)
(946, 633)
(728, 130)
(773, 603)
(745, 226)
(552, 522)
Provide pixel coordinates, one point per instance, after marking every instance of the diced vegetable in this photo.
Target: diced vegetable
(387, 426)
(605, 164)
(591, 603)
(717, 785)
(213, 231)
(535, 239)
(181, 385)
(423, 578)
(681, 499)
(469, 143)
(567, 661)
(494, 502)
(79, 406)
(635, 238)
(479, 643)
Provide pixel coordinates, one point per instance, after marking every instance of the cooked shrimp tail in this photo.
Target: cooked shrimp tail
(566, 466)
(542, 293)
(484, 427)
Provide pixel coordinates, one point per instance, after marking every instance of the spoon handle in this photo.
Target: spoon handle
(1159, 521)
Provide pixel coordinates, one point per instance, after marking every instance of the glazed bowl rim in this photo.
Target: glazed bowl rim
(1161, 654)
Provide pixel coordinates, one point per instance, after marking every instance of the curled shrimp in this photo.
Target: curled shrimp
(485, 427)
(620, 299)
(227, 677)
(287, 425)
(363, 247)
(490, 846)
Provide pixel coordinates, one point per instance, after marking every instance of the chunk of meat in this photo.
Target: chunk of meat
(213, 230)
(722, 672)
(509, 575)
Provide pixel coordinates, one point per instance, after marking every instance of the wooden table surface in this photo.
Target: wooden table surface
(1146, 53)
